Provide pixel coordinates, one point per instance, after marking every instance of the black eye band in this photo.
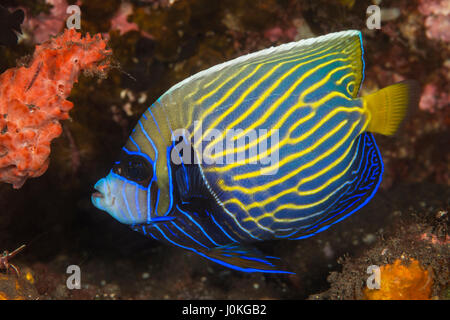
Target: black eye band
(154, 196)
(134, 168)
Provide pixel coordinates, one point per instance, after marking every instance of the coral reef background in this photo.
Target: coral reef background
(32, 100)
(157, 43)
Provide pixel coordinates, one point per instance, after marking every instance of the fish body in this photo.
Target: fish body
(272, 145)
(10, 25)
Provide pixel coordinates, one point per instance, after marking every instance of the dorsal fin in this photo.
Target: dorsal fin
(347, 43)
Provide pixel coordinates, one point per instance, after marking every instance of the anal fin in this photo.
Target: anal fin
(367, 176)
(243, 258)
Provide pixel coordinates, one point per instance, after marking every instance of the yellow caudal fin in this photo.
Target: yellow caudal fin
(389, 106)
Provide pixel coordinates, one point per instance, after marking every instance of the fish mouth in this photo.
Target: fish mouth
(100, 187)
(97, 195)
(102, 198)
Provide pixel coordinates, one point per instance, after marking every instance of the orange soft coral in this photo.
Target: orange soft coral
(33, 99)
(400, 282)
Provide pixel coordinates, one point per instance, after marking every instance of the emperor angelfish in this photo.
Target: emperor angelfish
(271, 145)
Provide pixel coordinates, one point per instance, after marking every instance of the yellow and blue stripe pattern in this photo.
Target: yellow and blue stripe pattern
(301, 130)
(305, 91)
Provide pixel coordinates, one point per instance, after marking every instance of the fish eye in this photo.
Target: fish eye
(135, 168)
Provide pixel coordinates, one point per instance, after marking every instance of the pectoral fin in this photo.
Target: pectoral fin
(190, 183)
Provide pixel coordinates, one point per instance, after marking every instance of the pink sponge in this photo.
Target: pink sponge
(33, 100)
